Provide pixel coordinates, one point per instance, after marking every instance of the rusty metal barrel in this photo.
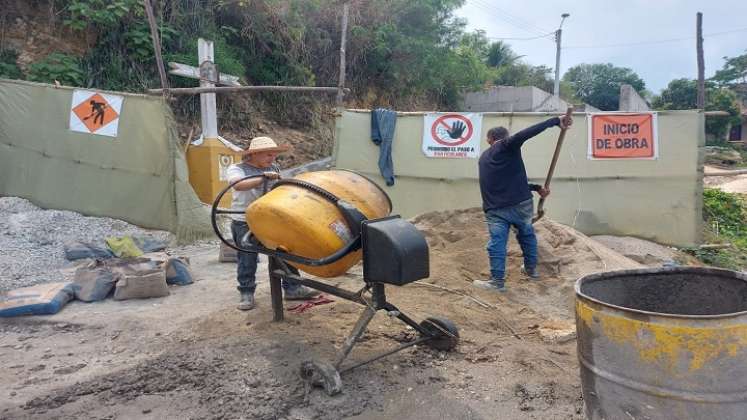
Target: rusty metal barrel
(667, 343)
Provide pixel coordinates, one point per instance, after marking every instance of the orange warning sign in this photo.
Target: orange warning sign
(623, 136)
(95, 112)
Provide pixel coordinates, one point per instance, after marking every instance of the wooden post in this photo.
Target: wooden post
(247, 89)
(208, 110)
(701, 63)
(156, 44)
(184, 70)
(343, 40)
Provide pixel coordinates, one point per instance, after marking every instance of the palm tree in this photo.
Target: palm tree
(500, 54)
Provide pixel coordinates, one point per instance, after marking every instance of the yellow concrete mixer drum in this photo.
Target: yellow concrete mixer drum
(298, 220)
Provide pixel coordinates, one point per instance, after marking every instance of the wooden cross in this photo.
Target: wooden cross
(208, 75)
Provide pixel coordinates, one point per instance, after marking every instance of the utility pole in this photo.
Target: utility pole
(341, 76)
(558, 33)
(701, 62)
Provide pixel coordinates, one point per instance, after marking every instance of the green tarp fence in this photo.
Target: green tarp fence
(139, 176)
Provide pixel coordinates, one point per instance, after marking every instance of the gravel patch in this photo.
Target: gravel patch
(32, 239)
(639, 250)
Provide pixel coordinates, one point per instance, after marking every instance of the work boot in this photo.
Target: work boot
(532, 273)
(247, 301)
(299, 293)
(495, 285)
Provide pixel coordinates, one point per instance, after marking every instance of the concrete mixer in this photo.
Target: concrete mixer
(323, 223)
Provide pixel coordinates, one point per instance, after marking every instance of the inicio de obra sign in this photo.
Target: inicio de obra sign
(623, 136)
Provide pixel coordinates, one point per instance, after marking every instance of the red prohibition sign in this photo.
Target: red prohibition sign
(442, 121)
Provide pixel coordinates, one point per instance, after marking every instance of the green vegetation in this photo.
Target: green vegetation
(63, 68)
(726, 221)
(599, 84)
(103, 14)
(733, 72)
(412, 54)
(400, 53)
(9, 65)
(682, 94)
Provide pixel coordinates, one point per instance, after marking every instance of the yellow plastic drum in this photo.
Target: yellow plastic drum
(299, 221)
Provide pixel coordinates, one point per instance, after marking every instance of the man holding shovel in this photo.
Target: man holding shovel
(507, 199)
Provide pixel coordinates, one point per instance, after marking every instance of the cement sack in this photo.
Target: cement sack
(130, 265)
(142, 285)
(76, 250)
(149, 243)
(94, 282)
(42, 299)
(178, 271)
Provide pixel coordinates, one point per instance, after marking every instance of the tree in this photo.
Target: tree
(510, 70)
(523, 74)
(404, 51)
(400, 53)
(720, 99)
(682, 94)
(679, 94)
(734, 71)
(500, 54)
(599, 84)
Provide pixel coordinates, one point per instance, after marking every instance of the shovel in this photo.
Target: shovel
(561, 137)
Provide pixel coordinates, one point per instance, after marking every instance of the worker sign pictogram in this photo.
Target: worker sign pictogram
(452, 135)
(623, 136)
(95, 113)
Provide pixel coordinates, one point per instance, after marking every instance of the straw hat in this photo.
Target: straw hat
(264, 144)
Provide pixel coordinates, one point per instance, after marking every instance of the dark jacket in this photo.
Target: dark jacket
(503, 178)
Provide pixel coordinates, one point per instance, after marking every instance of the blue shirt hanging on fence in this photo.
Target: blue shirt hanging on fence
(383, 122)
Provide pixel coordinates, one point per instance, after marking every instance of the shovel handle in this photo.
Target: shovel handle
(553, 163)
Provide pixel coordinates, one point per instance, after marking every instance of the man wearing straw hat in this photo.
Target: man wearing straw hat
(257, 159)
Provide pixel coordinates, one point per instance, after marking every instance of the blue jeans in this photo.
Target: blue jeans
(499, 224)
(246, 269)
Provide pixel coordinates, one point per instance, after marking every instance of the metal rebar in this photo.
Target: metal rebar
(383, 355)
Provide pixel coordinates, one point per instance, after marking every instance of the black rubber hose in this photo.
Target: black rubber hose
(342, 252)
(309, 186)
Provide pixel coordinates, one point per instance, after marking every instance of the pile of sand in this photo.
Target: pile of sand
(458, 238)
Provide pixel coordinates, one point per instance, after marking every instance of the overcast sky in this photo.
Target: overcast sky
(600, 23)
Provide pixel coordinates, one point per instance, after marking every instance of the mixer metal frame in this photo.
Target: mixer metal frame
(437, 333)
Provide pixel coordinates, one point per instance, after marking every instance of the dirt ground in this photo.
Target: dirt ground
(728, 183)
(306, 146)
(192, 355)
(737, 185)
